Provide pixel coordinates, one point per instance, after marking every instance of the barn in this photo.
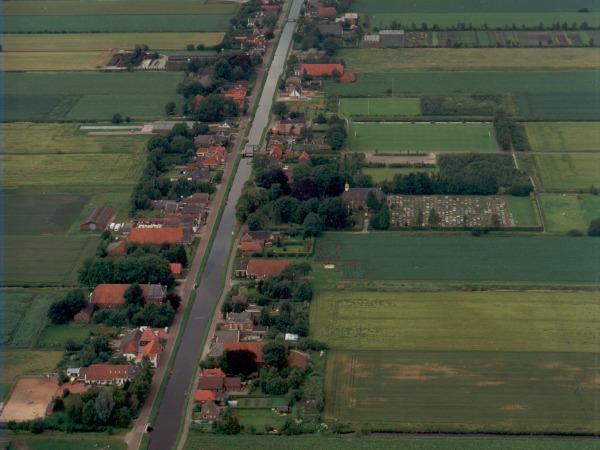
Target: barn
(99, 219)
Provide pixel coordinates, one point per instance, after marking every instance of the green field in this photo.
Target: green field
(389, 106)
(385, 257)
(399, 137)
(381, 174)
(563, 136)
(564, 172)
(45, 61)
(76, 96)
(524, 211)
(80, 440)
(57, 336)
(17, 363)
(205, 441)
(529, 321)
(563, 212)
(464, 391)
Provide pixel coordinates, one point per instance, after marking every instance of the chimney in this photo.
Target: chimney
(346, 187)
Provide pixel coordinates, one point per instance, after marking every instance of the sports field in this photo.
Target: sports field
(394, 60)
(388, 106)
(563, 136)
(564, 212)
(76, 96)
(384, 257)
(400, 137)
(564, 172)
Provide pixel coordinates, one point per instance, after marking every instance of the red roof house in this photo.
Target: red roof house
(266, 268)
(204, 395)
(326, 12)
(109, 295)
(251, 247)
(176, 269)
(158, 236)
(320, 70)
(107, 373)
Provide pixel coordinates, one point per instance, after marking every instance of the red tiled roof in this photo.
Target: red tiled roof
(164, 235)
(326, 11)
(203, 395)
(236, 93)
(251, 247)
(265, 268)
(298, 359)
(107, 372)
(254, 347)
(153, 348)
(109, 295)
(239, 299)
(176, 268)
(318, 70)
(304, 157)
(276, 152)
(216, 372)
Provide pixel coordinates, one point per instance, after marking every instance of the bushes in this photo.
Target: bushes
(510, 133)
(594, 228)
(61, 311)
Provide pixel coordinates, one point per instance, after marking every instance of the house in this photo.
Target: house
(154, 293)
(239, 321)
(321, 70)
(326, 12)
(266, 237)
(348, 18)
(331, 29)
(206, 140)
(200, 198)
(241, 270)
(176, 269)
(266, 268)
(212, 162)
(250, 247)
(254, 347)
(210, 411)
(141, 343)
(205, 395)
(113, 295)
(104, 374)
(202, 175)
(237, 93)
(289, 127)
(298, 359)
(356, 198)
(159, 236)
(85, 314)
(304, 158)
(116, 248)
(222, 336)
(216, 150)
(216, 380)
(99, 219)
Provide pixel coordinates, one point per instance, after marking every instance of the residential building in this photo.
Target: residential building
(104, 374)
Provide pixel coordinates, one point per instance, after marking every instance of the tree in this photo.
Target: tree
(174, 300)
(280, 109)
(336, 136)
(170, 108)
(62, 311)
(215, 108)
(227, 423)
(331, 46)
(285, 208)
(275, 355)
(373, 202)
(117, 118)
(104, 405)
(381, 220)
(334, 212)
(134, 296)
(239, 362)
(313, 225)
(223, 69)
(594, 228)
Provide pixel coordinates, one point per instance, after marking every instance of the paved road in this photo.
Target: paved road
(171, 410)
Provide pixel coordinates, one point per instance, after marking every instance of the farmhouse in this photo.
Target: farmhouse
(321, 70)
(356, 198)
(326, 12)
(142, 343)
(113, 295)
(99, 219)
(210, 411)
(159, 236)
(117, 374)
(262, 268)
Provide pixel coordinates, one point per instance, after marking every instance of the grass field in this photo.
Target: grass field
(523, 210)
(101, 42)
(398, 137)
(464, 391)
(62, 442)
(394, 60)
(389, 256)
(76, 96)
(387, 173)
(564, 172)
(563, 212)
(45, 61)
(204, 441)
(57, 336)
(563, 136)
(16, 363)
(398, 106)
(529, 321)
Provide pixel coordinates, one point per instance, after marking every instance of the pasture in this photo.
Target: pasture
(387, 257)
(64, 442)
(393, 60)
(77, 96)
(380, 174)
(45, 61)
(18, 363)
(564, 212)
(403, 137)
(463, 391)
(102, 42)
(207, 441)
(387, 106)
(563, 136)
(564, 172)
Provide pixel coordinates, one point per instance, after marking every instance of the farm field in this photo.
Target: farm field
(564, 172)
(17, 363)
(564, 212)
(398, 106)
(99, 42)
(399, 137)
(393, 60)
(529, 321)
(386, 257)
(563, 136)
(207, 441)
(65, 442)
(523, 210)
(381, 174)
(463, 391)
(44, 61)
(76, 96)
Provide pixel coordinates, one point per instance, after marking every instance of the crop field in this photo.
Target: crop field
(388, 106)
(464, 391)
(77, 96)
(380, 174)
(563, 136)
(402, 137)
(101, 42)
(207, 441)
(564, 212)
(564, 172)
(45, 61)
(382, 257)
(392, 60)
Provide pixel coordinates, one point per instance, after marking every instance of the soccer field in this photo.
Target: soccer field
(402, 137)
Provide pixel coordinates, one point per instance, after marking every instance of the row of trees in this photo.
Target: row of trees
(509, 132)
(466, 26)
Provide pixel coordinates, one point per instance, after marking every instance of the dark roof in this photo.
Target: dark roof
(211, 383)
(227, 336)
(359, 195)
(101, 216)
(330, 29)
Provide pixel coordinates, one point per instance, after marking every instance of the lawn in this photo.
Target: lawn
(394, 60)
(76, 96)
(523, 392)
(57, 336)
(259, 418)
(90, 42)
(524, 211)
(389, 106)
(207, 441)
(381, 174)
(45, 61)
(391, 256)
(401, 137)
(17, 363)
(63, 442)
(528, 321)
(565, 172)
(564, 212)
(563, 136)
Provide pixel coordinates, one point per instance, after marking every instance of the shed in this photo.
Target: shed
(99, 219)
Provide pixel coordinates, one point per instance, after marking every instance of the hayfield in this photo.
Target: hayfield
(389, 106)
(78, 96)
(563, 136)
(528, 321)
(206, 441)
(103, 41)
(44, 61)
(399, 137)
(376, 257)
(394, 60)
(464, 391)
(564, 172)
(564, 212)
